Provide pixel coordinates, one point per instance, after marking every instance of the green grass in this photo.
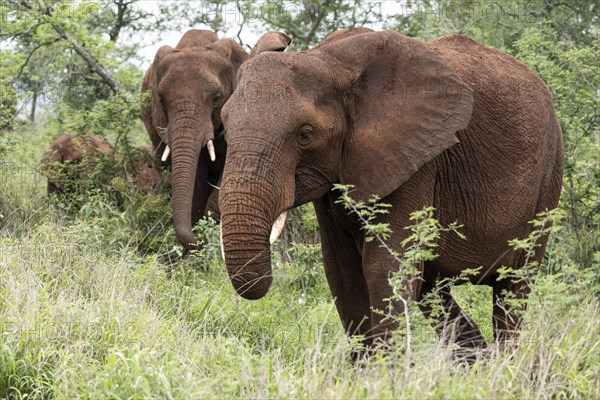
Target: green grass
(88, 311)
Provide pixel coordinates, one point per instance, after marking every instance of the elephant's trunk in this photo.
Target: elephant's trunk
(184, 161)
(247, 215)
(186, 141)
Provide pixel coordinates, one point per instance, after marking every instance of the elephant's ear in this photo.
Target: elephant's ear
(271, 41)
(404, 107)
(153, 115)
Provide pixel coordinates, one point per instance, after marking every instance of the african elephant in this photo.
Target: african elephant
(90, 150)
(447, 123)
(188, 85)
(65, 149)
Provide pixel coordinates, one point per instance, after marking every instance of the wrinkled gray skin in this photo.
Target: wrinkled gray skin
(446, 123)
(188, 85)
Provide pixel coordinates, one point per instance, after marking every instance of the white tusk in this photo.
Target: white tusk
(166, 154)
(277, 227)
(211, 150)
(221, 239)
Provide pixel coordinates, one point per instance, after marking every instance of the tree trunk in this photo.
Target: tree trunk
(33, 107)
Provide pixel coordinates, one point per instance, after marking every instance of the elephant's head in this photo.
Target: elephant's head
(366, 110)
(188, 85)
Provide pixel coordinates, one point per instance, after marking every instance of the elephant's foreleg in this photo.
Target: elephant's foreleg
(343, 269)
(380, 264)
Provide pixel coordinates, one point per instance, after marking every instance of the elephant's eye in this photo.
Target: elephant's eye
(305, 135)
(216, 99)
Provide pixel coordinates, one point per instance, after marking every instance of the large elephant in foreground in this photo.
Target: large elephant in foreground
(446, 123)
(188, 85)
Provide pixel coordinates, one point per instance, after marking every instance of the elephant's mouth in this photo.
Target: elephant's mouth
(219, 134)
(306, 193)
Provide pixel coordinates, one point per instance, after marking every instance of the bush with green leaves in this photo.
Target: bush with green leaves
(573, 76)
(208, 234)
(302, 274)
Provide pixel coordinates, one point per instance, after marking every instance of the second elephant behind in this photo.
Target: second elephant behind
(188, 85)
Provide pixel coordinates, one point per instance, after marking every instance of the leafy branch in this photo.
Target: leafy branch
(86, 55)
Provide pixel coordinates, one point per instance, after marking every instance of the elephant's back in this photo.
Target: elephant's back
(501, 84)
(513, 114)
(510, 155)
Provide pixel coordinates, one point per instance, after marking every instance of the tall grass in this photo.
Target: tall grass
(85, 312)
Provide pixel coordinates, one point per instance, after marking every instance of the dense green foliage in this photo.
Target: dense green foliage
(98, 300)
